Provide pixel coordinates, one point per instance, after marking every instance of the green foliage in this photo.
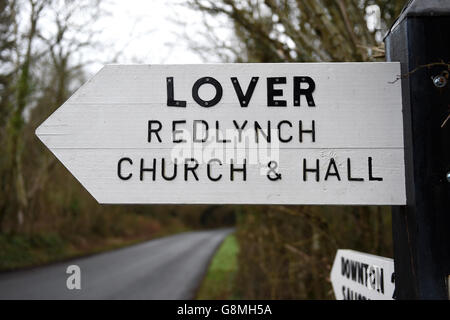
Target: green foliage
(219, 282)
(26, 250)
(287, 252)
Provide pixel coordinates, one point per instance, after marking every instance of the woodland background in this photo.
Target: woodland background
(285, 252)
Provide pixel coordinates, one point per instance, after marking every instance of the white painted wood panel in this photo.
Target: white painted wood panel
(357, 116)
(96, 169)
(361, 276)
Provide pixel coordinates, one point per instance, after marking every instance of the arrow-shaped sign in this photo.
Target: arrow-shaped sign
(235, 133)
(362, 276)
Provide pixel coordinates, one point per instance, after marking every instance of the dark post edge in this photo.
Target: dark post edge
(421, 229)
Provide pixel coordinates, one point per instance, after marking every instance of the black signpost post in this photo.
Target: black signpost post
(420, 40)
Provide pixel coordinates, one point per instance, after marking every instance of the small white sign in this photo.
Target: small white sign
(362, 276)
(288, 133)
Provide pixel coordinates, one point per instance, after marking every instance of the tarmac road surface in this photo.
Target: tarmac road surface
(165, 268)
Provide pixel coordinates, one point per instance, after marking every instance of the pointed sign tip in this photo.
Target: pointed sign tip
(38, 132)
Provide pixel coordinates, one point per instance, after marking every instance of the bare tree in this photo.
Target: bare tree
(48, 49)
(303, 30)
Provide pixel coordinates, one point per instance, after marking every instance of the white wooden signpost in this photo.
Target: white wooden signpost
(316, 133)
(362, 276)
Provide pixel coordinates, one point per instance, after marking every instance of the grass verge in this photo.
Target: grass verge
(24, 251)
(219, 280)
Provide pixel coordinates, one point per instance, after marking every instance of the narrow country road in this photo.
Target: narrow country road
(165, 268)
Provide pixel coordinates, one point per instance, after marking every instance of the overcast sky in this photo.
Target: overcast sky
(145, 31)
(152, 32)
